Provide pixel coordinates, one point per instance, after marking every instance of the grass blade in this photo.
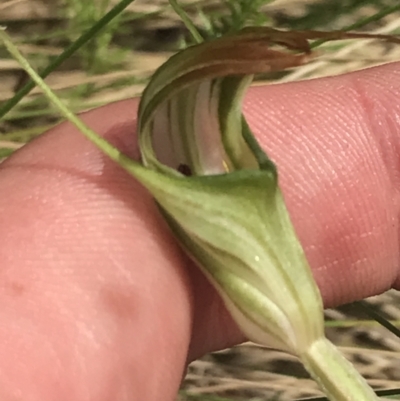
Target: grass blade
(363, 22)
(187, 21)
(71, 49)
(374, 314)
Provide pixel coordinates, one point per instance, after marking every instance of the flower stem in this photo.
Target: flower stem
(336, 376)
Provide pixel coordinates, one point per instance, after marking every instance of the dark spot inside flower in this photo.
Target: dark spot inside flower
(185, 170)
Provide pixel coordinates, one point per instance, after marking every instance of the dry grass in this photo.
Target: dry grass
(151, 41)
(250, 372)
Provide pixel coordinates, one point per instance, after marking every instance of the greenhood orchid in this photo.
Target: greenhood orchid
(229, 214)
(219, 193)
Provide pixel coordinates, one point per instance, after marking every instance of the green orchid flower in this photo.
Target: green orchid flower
(222, 200)
(229, 213)
(219, 193)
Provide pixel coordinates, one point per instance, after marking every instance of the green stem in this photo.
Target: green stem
(373, 18)
(141, 173)
(336, 376)
(363, 22)
(372, 312)
(71, 49)
(101, 143)
(187, 21)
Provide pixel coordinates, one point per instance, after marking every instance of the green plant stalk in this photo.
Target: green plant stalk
(101, 143)
(393, 393)
(97, 55)
(187, 21)
(335, 375)
(363, 22)
(370, 311)
(71, 49)
(22, 136)
(359, 323)
(373, 18)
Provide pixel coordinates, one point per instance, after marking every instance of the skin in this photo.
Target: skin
(99, 303)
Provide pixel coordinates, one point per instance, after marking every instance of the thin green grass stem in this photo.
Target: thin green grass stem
(107, 148)
(23, 135)
(372, 312)
(357, 323)
(71, 49)
(363, 22)
(373, 18)
(187, 21)
(391, 393)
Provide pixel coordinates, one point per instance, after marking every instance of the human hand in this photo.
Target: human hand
(99, 303)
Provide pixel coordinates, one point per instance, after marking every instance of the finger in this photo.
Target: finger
(336, 144)
(94, 294)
